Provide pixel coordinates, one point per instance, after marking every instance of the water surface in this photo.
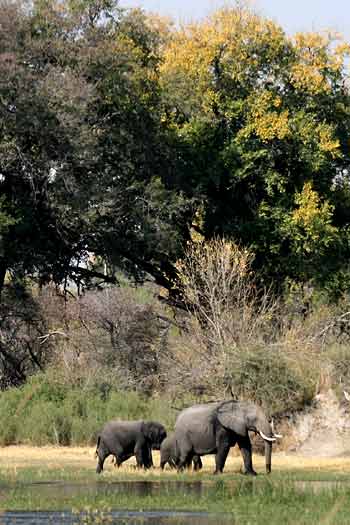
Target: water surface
(114, 518)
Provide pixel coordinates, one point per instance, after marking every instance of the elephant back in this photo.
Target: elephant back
(122, 425)
(196, 415)
(195, 427)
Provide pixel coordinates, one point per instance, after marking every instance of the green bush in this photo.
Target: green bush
(267, 376)
(45, 412)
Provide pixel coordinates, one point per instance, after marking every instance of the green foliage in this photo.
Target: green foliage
(268, 377)
(121, 134)
(259, 133)
(48, 412)
(84, 155)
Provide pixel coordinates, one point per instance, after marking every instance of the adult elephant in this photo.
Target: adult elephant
(169, 454)
(215, 427)
(124, 439)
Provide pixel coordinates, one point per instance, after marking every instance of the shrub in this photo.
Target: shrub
(267, 376)
(42, 412)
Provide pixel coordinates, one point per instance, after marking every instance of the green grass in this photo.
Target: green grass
(278, 498)
(78, 475)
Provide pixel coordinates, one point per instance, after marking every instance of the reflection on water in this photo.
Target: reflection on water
(61, 489)
(62, 492)
(114, 518)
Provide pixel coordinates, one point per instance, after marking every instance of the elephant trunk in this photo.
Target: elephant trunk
(268, 453)
(267, 433)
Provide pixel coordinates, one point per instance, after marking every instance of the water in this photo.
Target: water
(62, 492)
(114, 518)
(61, 489)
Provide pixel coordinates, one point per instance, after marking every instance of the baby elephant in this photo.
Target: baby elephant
(124, 439)
(168, 454)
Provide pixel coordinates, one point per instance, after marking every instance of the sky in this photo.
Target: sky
(292, 15)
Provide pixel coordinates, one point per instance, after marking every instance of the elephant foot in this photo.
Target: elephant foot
(249, 473)
(216, 472)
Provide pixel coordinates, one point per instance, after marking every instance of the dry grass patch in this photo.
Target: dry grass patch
(23, 456)
(54, 457)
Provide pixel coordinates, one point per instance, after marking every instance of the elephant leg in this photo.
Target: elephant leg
(167, 459)
(185, 452)
(223, 444)
(148, 463)
(102, 454)
(197, 463)
(246, 451)
(172, 463)
(143, 456)
(189, 460)
(220, 458)
(121, 458)
(183, 461)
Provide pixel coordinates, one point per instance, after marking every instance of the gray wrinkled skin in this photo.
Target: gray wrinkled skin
(214, 428)
(169, 454)
(124, 439)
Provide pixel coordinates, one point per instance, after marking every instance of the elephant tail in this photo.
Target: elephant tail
(97, 445)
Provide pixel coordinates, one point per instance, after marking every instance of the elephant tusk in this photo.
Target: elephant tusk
(279, 436)
(346, 395)
(266, 438)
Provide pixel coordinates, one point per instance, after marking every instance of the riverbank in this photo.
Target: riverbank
(300, 490)
(16, 458)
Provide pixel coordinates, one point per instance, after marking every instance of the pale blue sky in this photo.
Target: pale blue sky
(292, 15)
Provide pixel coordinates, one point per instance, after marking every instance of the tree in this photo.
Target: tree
(263, 120)
(84, 155)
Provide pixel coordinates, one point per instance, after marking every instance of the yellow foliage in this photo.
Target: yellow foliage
(197, 225)
(327, 142)
(315, 58)
(312, 221)
(266, 121)
(243, 44)
(228, 37)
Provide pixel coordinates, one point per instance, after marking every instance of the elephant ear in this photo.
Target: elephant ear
(153, 431)
(147, 430)
(231, 417)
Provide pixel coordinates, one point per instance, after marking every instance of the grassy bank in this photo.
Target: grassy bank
(28, 463)
(299, 490)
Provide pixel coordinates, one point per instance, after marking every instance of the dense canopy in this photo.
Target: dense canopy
(123, 137)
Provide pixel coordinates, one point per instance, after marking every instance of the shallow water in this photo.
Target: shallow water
(114, 518)
(62, 492)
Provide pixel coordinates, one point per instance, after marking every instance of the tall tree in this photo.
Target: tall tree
(84, 152)
(264, 123)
